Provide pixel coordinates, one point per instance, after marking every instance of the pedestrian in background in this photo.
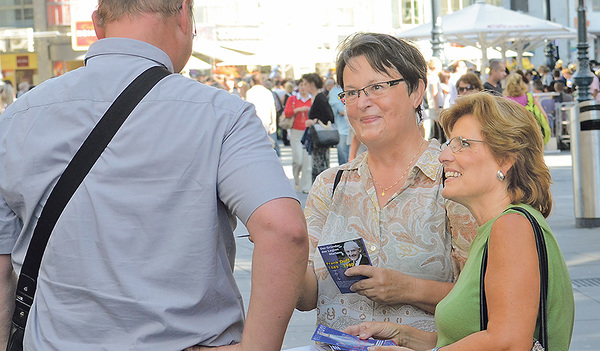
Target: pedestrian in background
(319, 111)
(341, 121)
(497, 74)
(142, 257)
(263, 100)
(296, 107)
(467, 84)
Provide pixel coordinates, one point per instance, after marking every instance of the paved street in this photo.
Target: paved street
(581, 248)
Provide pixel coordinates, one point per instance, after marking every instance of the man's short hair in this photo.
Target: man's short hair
(495, 65)
(112, 10)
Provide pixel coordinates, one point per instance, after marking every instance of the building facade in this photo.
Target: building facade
(36, 36)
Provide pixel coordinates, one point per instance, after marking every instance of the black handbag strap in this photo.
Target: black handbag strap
(338, 177)
(69, 181)
(540, 244)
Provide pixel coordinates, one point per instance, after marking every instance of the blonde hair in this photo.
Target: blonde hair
(515, 86)
(512, 134)
(112, 10)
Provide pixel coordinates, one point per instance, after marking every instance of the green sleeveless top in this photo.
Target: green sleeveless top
(457, 315)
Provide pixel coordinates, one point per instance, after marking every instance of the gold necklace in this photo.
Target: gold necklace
(403, 174)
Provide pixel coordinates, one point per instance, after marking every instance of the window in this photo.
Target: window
(16, 13)
(412, 12)
(519, 5)
(59, 12)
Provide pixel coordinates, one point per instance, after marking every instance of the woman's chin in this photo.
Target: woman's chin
(448, 193)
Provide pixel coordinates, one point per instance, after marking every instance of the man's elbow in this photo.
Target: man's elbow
(297, 234)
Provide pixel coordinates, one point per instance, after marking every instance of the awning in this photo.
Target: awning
(196, 63)
(211, 51)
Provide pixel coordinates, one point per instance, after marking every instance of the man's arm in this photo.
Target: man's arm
(308, 298)
(279, 261)
(278, 230)
(8, 284)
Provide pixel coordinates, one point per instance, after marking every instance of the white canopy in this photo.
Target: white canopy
(270, 55)
(483, 25)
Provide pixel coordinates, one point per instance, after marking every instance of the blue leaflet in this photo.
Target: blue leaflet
(338, 340)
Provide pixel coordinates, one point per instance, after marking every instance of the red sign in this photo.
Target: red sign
(22, 61)
(84, 34)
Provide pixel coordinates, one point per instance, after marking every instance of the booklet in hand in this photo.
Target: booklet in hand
(338, 340)
(340, 256)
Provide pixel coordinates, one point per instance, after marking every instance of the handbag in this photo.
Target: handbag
(324, 135)
(67, 184)
(540, 243)
(287, 122)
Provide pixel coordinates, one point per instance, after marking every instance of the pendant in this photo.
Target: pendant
(383, 193)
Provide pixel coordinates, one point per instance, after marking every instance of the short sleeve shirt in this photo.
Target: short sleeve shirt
(142, 256)
(411, 234)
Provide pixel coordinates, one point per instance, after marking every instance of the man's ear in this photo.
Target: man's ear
(184, 16)
(97, 27)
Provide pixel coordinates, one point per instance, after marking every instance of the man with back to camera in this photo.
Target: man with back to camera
(142, 257)
(496, 75)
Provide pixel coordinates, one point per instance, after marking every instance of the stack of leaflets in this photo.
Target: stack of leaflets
(340, 256)
(337, 340)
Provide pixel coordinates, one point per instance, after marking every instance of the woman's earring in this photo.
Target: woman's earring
(500, 175)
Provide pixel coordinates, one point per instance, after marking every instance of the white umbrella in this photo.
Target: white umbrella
(485, 25)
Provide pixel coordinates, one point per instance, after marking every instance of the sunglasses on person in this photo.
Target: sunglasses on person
(465, 89)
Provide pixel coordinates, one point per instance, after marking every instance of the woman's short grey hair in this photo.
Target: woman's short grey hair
(385, 53)
(112, 10)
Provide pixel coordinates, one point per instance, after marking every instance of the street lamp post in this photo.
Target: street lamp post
(583, 77)
(585, 137)
(437, 38)
(549, 50)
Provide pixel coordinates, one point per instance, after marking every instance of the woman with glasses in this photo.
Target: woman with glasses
(467, 84)
(493, 164)
(389, 196)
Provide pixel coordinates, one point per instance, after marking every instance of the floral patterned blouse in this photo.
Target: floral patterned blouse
(417, 232)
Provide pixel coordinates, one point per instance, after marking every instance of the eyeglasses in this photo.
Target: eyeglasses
(465, 89)
(458, 143)
(195, 32)
(373, 91)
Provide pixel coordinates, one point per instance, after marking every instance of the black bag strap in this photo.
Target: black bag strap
(540, 244)
(69, 181)
(336, 181)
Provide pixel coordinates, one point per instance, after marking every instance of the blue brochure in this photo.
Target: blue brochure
(338, 340)
(340, 256)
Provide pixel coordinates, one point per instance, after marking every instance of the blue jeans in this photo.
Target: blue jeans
(343, 150)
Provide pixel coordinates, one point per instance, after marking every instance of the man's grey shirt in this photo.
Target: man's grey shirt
(142, 257)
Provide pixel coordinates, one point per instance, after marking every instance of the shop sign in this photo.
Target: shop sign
(84, 35)
(13, 62)
(22, 61)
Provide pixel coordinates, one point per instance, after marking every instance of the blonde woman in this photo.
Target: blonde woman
(517, 90)
(494, 162)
